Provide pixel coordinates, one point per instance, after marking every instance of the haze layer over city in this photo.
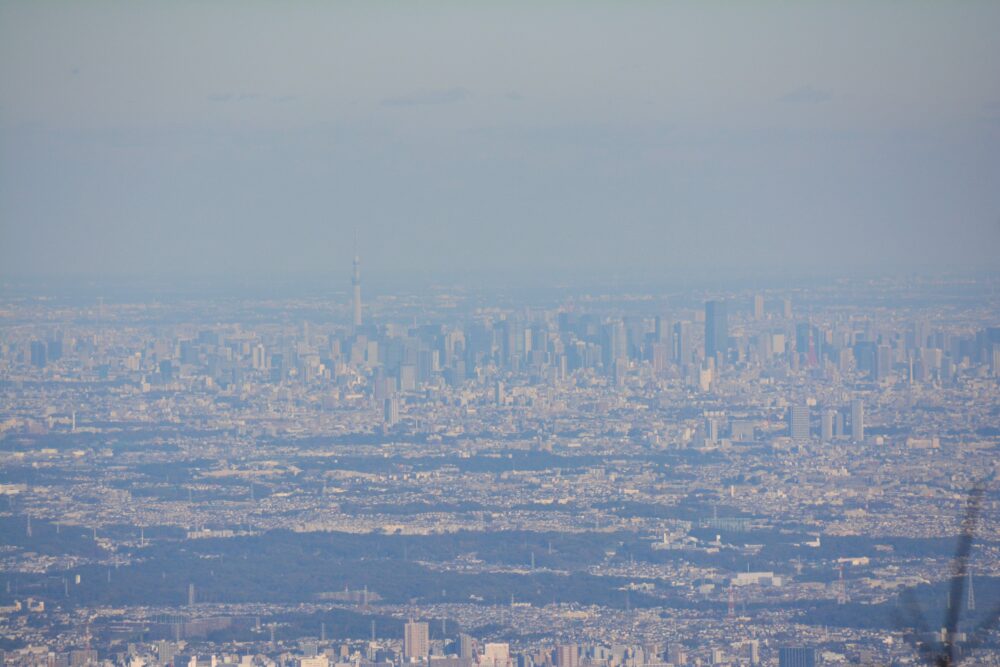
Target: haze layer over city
(555, 335)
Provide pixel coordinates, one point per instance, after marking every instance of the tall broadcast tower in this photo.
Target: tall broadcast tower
(356, 282)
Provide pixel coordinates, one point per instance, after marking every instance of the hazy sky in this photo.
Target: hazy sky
(255, 137)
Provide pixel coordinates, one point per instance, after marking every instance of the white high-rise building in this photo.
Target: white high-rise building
(826, 426)
(495, 654)
(857, 420)
(798, 423)
(415, 641)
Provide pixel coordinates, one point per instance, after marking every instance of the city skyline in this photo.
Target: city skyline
(739, 478)
(393, 334)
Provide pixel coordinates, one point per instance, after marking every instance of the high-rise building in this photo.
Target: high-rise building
(662, 330)
(798, 423)
(826, 425)
(495, 654)
(415, 640)
(614, 345)
(312, 661)
(758, 306)
(466, 647)
(683, 343)
(857, 420)
(356, 284)
(883, 362)
(568, 655)
(716, 329)
(39, 354)
(676, 655)
(259, 358)
(790, 656)
(712, 429)
(390, 416)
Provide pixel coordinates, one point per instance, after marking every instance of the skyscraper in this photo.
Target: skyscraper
(390, 415)
(39, 354)
(682, 342)
(567, 655)
(826, 425)
(798, 423)
(716, 329)
(415, 640)
(857, 420)
(466, 647)
(356, 282)
(758, 306)
(796, 657)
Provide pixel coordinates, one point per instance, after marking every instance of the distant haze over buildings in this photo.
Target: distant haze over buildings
(253, 138)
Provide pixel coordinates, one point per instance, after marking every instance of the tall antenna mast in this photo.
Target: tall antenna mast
(356, 283)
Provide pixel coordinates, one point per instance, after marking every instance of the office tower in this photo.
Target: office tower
(495, 654)
(754, 646)
(716, 329)
(857, 420)
(659, 355)
(39, 354)
(883, 362)
(191, 596)
(415, 640)
(662, 330)
(466, 647)
(568, 655)
(54, 347)
(259, 360)
(864, 356)
(676, 655)
(826, 426)
(758, 306)
(165, 651)
(705, 376)
(390, 415)
(619, 368)
(798, 423)
(614, 345)
(683, 344)
(408, 377)
(787, 308)
(796, 657)
(356, 283)
(635, 336)
(712, 429)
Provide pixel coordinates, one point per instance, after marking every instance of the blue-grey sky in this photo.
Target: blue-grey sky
(201, 138)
